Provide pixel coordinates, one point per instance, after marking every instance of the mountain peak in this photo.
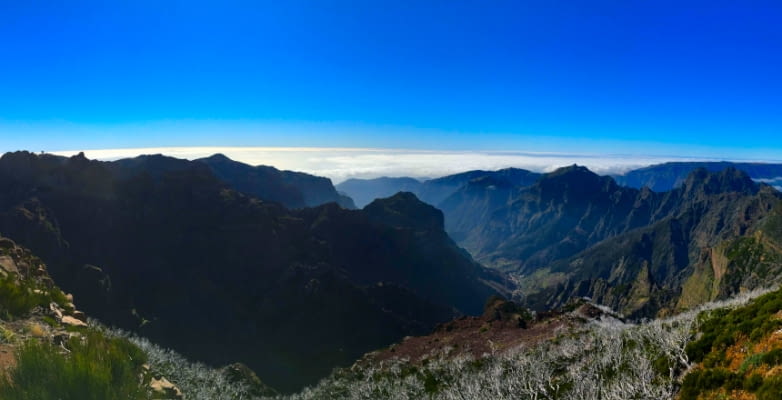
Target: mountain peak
(729, 179)
(573, 179)
(405, 210)
(218, 157)
(571, 170)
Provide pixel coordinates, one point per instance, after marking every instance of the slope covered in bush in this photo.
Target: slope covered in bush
(88, 367)
(739, 353)
(602, 359)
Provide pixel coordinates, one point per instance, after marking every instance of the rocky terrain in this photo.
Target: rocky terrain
(503, 325)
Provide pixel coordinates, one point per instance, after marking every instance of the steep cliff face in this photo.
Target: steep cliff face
(178, 255)
(571, 209)
(711, 247)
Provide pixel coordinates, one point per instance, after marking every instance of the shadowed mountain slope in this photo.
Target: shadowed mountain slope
(291, 189)
(178, 256)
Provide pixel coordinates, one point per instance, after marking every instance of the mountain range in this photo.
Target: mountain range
(432, 191)
(575, 233)
(226, 262)
(667, 176)
(659, 178)
(165, 248)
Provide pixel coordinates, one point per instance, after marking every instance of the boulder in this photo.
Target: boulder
(68, 320)
(7, 264)
(79, 315)
(162, 387)
(56, 311)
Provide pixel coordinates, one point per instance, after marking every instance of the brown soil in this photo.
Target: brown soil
(7, 359)
(476, 336)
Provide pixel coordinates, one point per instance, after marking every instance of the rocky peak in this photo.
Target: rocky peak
(79, 158)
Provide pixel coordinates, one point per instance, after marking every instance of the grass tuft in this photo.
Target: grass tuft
(94, 368)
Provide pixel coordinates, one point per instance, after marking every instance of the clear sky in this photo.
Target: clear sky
(685, 78)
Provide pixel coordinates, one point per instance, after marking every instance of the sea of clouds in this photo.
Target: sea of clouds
(340, 164)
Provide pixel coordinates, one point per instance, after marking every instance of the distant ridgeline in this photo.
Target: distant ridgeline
(192, 255)
(432, 191)
(663, 177)
(659, 178)
(291, 189)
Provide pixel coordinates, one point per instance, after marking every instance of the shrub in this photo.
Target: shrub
(702, 381)
(18, 298)
(6, 336)
(753, 382)
(721, 329)
(770, 389)
(97, 368)
(773, 357)
(36, 330)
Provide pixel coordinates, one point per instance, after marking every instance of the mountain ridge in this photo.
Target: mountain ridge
(670, 175)
(309, 289)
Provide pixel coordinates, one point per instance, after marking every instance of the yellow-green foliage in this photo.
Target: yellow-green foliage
(97, 368)
(18, 298)
(6, 336)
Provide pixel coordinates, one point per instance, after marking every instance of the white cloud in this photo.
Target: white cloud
(768, 180)
(343, 163)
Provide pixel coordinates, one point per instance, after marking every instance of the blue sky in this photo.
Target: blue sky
(683, 78)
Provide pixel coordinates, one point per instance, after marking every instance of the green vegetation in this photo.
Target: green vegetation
(95, 368)
(6, 336)
(722, 329)
(772, 228)
(18, 298)
(700, 381)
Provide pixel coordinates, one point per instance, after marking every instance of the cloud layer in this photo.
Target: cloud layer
(340, 164)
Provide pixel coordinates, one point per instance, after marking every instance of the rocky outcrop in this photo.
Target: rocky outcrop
(164, 390)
